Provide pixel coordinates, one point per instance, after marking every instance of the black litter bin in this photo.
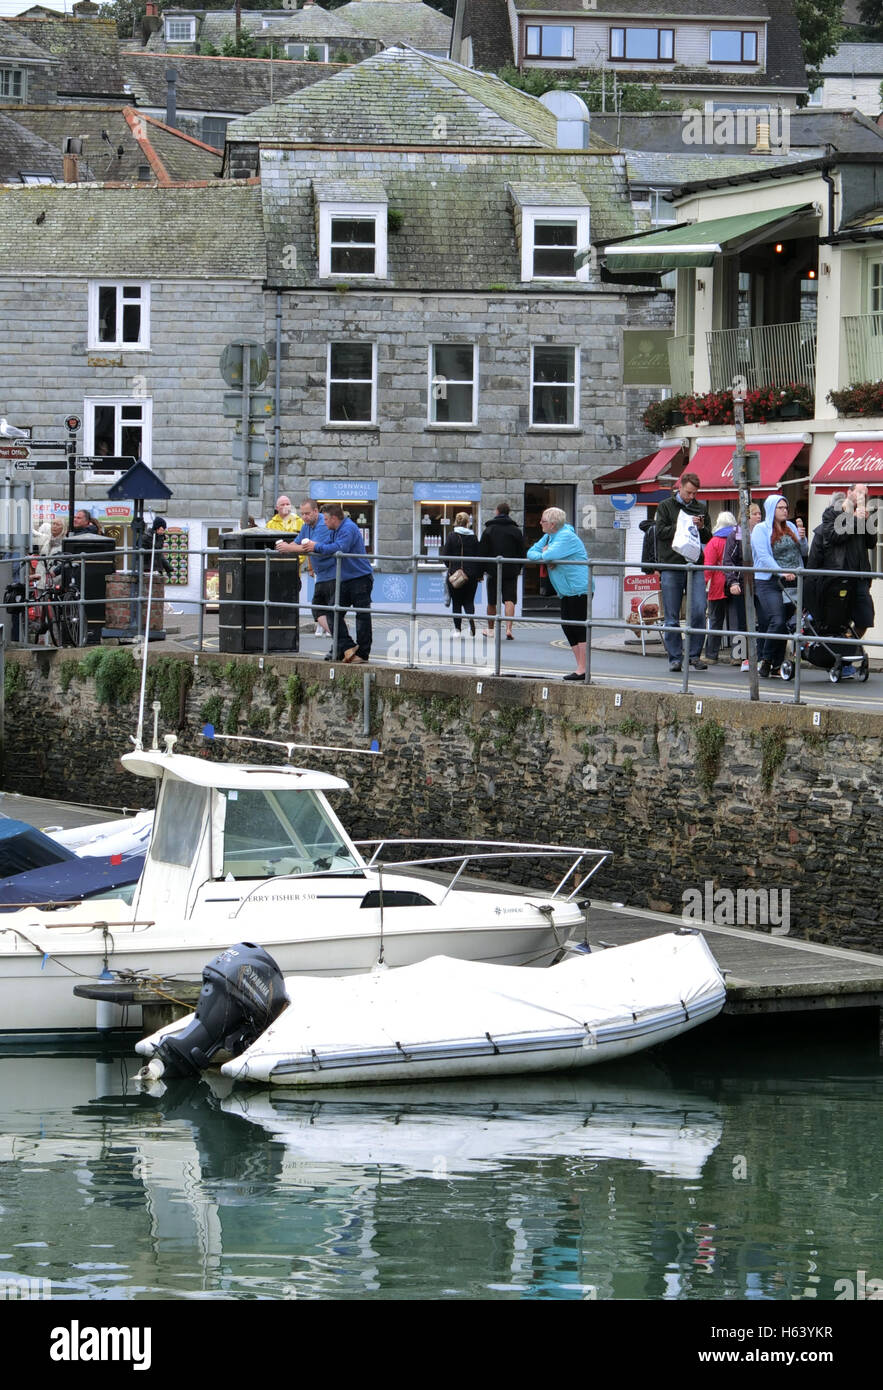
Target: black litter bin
(99, 561)
(242, 582)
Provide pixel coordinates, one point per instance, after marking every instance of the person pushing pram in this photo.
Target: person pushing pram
(838, 604)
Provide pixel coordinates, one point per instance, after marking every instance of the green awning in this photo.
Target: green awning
(697, 243)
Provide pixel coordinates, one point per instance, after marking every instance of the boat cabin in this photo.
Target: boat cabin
(225, 823)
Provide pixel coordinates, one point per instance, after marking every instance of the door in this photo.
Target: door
(537, 497)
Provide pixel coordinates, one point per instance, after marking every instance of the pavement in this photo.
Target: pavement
(539, 652)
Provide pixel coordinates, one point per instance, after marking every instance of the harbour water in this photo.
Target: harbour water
(746, 1168)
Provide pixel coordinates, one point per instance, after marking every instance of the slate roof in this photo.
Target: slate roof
(87, 51)
(16, 45)
(653, 170)
(662, 132)
(171, 155)
(398, 21)
(486, 22)
(457, 229)
(401, 97)
(861, 59)
(96, 229)
(314, 23)
(696, 9)
(23, 151)
(221, 85)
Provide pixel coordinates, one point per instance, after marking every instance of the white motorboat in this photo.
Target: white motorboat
(126, 835)
(257, 853)
(441, 1018)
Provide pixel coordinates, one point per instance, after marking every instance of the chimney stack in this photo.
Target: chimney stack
(73, 148)
(171, 103)
(152, 10)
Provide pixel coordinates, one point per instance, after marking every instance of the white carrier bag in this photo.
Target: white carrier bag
(686, 539)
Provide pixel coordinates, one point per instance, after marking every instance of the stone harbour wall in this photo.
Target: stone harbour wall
(737, 797)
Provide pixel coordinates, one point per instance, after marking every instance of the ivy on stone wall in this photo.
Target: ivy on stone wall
(115, 673)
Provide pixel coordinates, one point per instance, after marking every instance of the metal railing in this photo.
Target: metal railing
(778, 354)
(410, 616)
(485, 851)
(863, 339)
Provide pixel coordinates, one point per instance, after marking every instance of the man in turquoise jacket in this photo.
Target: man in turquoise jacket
(559, 544)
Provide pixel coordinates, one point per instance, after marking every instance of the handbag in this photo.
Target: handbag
(686, 538)
(458, 579)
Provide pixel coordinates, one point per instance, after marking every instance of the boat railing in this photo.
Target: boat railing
(490, 851)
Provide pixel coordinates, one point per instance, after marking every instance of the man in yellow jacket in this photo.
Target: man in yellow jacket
(284, 519)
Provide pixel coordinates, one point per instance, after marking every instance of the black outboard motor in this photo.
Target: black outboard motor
(242, 993)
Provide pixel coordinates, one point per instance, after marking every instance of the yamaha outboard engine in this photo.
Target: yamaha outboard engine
(242, 993)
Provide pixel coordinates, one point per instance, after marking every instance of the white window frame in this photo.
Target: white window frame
(7, 77)
(191, 29)
(575, 384)
(96, 344)
(362, 212)
(435, 379)
(90, 404)
(351, 424)
(529, 219)
(540, 31)
(321, 49)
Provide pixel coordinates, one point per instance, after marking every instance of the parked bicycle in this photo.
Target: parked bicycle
(53, 607)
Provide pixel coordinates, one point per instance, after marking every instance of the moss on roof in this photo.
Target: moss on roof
(202, 233)
(401, 97)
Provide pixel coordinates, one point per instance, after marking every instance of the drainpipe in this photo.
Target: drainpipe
(277, 427)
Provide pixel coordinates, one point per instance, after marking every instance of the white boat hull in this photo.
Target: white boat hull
(450, 1018)
(36, 980)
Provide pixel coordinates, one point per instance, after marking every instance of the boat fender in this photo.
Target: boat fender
(242, 993)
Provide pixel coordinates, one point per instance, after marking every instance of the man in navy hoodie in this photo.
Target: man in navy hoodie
(356, 582)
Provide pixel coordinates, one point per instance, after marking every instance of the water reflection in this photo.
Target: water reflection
(648, 1180)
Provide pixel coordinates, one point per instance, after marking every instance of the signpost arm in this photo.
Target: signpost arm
(71, 451)
(740, 473)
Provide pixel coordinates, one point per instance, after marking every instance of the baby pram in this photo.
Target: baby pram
(830, 616)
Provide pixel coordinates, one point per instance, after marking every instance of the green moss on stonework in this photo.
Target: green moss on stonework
(13, 680)
(772, 755)
(168, 680)
(115, 673)
(710, 739)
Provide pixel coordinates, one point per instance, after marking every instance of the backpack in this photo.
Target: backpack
(649, 551)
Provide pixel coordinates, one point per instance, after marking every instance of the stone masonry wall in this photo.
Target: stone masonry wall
(503, 452)
(48, 371)
(739, 796)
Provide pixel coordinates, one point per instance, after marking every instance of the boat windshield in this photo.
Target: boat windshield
(285, 832)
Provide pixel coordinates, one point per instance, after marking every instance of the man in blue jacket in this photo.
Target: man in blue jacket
(570, 580)
(356, 581)
(314, 529)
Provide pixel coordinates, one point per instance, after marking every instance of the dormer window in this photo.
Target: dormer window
(12, 84)
(550, 240)
(352, 240)
(180, 31)
(733, 46)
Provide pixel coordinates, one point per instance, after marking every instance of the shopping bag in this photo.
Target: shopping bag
(686, 538)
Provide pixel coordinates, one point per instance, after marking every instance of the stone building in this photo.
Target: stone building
(443, 346)
(117, 302)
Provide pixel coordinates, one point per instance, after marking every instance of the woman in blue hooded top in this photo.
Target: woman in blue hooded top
(778, 551)
(570, 580)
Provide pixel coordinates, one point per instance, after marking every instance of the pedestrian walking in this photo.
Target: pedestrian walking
(502, 537)
(465, 568)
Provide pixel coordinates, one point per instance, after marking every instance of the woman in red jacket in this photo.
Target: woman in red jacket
(714, 583)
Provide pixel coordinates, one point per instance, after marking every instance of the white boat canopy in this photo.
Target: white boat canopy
(234, 776)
